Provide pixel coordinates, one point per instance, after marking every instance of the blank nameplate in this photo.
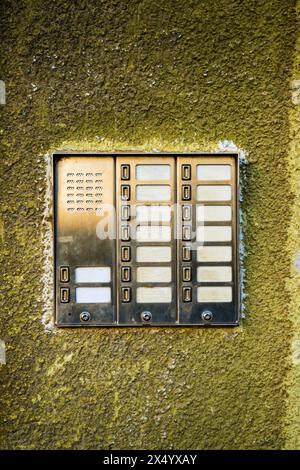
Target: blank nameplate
(213, 193)
(153, 254)
(153, 213)
(214, 294)
(153, 233)
(214, 233)
(92, 274)
(153, 193)
(213, 213)
(153, 172)
(154, 274)
(214, 253)
(214, 274)
(153, 295)
(213, 172)
(93, 295)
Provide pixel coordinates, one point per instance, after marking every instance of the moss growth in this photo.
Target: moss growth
(292, 435)
(174, 75)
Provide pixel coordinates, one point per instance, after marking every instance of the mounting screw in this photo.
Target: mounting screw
(207, 316)
(146, 316)
(85, 316)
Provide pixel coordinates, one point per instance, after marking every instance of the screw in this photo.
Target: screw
(146, 316)
(207, 315)
(85, 316)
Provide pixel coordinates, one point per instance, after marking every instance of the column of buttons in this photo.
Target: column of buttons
(64, 277)
(125, 271)
(186, 254)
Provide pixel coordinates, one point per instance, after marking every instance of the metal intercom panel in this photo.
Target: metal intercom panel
(146, 239)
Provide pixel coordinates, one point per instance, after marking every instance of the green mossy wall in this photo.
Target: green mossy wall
(133, 74)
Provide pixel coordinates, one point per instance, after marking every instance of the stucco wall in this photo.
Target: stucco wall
(170, 75)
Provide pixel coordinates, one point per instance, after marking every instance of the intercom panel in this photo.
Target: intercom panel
(146, 239)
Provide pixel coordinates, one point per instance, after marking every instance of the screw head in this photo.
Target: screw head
(85, 316)
(207, 316)
(146, 316)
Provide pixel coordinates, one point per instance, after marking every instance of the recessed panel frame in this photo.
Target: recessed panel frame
(110, 314)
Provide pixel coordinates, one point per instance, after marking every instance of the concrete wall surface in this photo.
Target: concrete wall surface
(174, 75)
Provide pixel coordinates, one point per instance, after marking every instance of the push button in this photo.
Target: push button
(186, 233)
(187, 294)
(125, 233)
(186, 212)
(125, 212)
(64, 275)
(125, 172)
(126, 294)
(125, 192)
(186, 172)
(125, 253)
(186, 273)
(186, 253)
(186, 193)
(125, 274)
(64, 295)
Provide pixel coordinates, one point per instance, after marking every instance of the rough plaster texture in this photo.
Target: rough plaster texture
(292, 418)
(170, 75)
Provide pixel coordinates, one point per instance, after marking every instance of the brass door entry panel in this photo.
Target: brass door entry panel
(146, 239)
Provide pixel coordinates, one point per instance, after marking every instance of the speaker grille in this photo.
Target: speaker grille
(84, 191)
